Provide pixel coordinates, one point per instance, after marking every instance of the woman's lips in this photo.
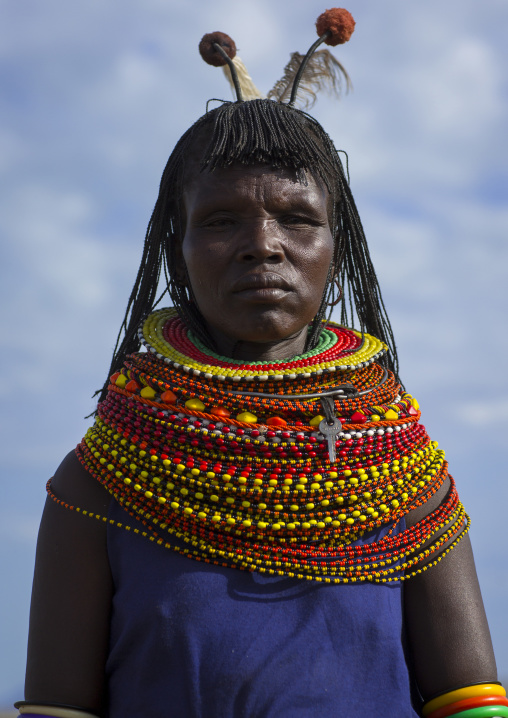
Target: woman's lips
(266, 280)
(267, 286)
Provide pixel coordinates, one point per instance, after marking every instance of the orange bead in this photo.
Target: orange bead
(276, 421)
(132, 386)
(167, 397)
(220, 411)
(114, 377)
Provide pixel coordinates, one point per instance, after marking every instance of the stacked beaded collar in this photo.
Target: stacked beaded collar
(224, 461)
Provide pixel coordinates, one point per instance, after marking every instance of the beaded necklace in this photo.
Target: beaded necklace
(226, 462)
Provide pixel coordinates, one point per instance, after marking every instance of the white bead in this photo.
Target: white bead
(347, 436)
(389, 430)
(380, 432)
(371, 432)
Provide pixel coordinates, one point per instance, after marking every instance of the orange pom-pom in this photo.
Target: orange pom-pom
(210, 54)
(338, 22)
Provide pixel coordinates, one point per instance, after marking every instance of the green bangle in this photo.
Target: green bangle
(483, 712)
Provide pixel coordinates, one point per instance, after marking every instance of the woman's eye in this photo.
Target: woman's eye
(219, 222)
(294, 219)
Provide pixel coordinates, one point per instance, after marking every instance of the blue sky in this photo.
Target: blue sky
(93, 97)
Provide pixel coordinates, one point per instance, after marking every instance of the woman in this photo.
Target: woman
(262, 482)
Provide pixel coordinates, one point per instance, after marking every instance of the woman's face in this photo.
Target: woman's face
(257, 248)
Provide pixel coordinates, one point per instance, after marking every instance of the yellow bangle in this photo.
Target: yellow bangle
(481, 689)
(53, 711)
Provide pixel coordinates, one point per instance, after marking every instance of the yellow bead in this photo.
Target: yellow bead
(375, 417)
(195, 405)
(247, 418)
(148, 494)
(391, 414)
(147, 392)
(247, 523)
(187, 511)
(161, 500)
(316, 420)
(121, 381)
(415, 403)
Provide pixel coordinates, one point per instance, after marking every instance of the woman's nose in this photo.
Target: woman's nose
(260, 242)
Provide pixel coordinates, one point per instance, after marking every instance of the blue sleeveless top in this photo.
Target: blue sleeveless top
(194, 640)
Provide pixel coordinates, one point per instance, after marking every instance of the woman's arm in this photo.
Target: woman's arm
(446, 624)
(71, 596)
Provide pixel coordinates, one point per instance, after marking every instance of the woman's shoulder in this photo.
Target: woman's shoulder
(73, 485)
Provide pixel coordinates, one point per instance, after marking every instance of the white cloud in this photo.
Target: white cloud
(483, 413)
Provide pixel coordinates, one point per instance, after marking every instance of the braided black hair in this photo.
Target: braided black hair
(250, 133)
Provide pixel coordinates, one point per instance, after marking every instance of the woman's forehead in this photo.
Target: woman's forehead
(238, 175)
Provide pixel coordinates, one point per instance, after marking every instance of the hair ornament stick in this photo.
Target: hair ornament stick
(219, 50)
(334, 27)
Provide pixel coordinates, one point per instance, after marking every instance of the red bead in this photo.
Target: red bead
(358, 418)
(276, 421)
(220, 411)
